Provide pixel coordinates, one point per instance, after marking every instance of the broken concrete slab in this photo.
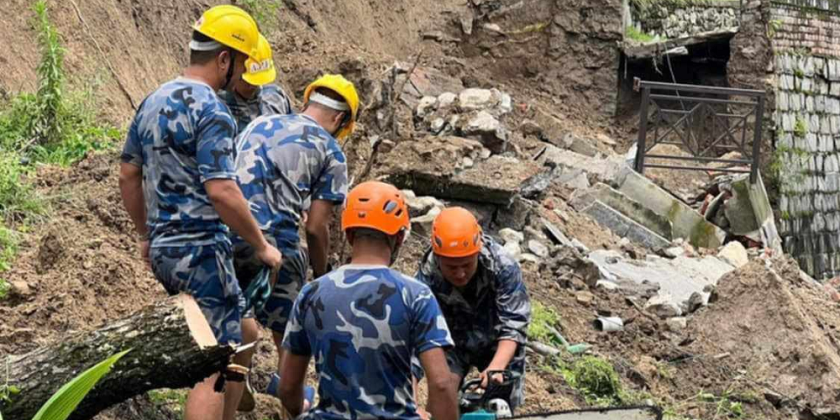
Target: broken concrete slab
(432, 167)
(759, 205)
(686, 222)
(422, 225)
(601, 169)
(418, 206)
(579, 145)
(623, 226)
(624, 205)
(663, 306)
(556, 235)
(679, 277)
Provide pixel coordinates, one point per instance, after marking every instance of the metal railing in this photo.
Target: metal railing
(704, 121)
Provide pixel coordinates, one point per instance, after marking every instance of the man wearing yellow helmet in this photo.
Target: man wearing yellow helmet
(255, 94)
(284, 162)
(178, 184)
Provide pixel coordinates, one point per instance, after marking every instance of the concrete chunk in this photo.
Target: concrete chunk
(686, 222)
(623, 226)
(626, 206)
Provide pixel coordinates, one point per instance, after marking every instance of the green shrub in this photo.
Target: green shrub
(637, 35)
(543, 318)
(596, 379)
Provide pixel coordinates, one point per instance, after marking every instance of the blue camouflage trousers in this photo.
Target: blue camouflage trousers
(205, 272)
(275, 314)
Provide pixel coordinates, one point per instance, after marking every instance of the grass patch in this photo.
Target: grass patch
(543, 319)
(596, 380)
(174, 399)
(51, 126)
(264, 12)
(636, 35)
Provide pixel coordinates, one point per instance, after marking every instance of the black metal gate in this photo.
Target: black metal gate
(705, 121)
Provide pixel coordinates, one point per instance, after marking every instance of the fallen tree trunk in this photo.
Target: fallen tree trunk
(172, 347)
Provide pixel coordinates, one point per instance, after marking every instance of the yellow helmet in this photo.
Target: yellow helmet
(229, 26)
(338, 84)
(260, 70)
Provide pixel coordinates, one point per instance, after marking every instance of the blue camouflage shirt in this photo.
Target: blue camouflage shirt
(282, 161)
(269, 100)
(362, 324)
(182, 136)
(493, 306)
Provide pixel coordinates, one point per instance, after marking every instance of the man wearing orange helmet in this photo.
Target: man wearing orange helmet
(363, 322)
(482, 296)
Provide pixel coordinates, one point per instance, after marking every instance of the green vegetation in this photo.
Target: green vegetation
(644, 4)
(773, 27)
(595, 379)
(174, 399)
(543, 319)
(264, 12)
(62, 404)
(637, 35)
(800, 128)
(51, 126)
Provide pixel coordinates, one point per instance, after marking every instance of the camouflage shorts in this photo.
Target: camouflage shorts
(205, 272)
(275, 314)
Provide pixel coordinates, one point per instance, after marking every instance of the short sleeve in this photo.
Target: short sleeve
(133, 150)
(430, 329)
(296, 339)
(214, 142)
(332, 181)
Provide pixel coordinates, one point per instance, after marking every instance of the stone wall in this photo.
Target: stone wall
(675, 20)
(805, 38)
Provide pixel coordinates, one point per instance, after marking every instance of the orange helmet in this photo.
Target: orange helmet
(376, 205)
(456, 233)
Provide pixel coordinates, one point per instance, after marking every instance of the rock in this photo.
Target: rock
(674, 252)
(474, 99)
(579, 145)
(422, 225)
(580, 246)
(735, 254)
(426, 106)
(697, 301)
(574, 180)
(513, 250)
(386, 146)
(624, 243)
(534, 187)
(487, 129)
(556, 234)
(418, 206)
(676, 324)
(531, 258)
(606, 284)
(662, 305)
(20, 288)
(530, 128)
(446, 100)
(538, 249)
(514, 216)
(584, 297)
(510, 235)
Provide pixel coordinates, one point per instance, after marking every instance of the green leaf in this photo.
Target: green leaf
(63, 402)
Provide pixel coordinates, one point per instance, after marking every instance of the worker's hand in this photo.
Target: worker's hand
(497, 378)
(424, 415)
(270, 256)
(144, 253)
(306, 406)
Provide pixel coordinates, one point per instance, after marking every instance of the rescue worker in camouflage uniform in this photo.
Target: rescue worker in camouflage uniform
(255, 94)
(283, 162)
(363, 322)
(178, 184)
(480, 290)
